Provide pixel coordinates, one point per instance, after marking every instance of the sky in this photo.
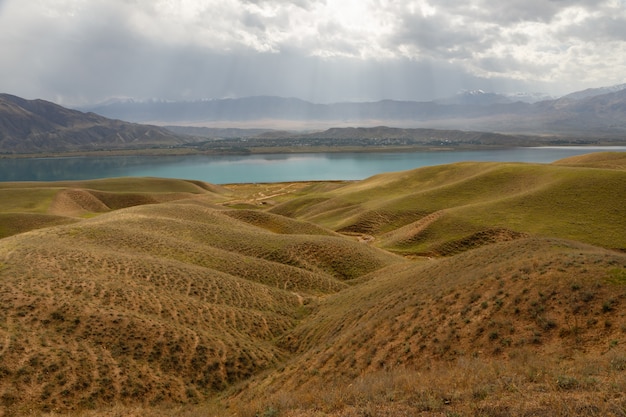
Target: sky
(79, 52)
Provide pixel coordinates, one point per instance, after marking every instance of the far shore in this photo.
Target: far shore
(188, 150)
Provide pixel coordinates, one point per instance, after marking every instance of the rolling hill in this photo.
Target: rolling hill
(525, 327)
(441, 209)
(30, 126)
(489, 289)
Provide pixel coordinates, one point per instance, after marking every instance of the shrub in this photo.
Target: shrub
(567, 383)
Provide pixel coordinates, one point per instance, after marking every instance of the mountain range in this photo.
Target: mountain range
(41, 126)
(599, 112)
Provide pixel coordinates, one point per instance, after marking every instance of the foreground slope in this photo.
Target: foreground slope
(168, 302)
(511, 322)
(532, 327)
(291, 299)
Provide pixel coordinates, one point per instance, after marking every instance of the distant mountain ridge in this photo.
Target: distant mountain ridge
(42, 126)
(475, 97)
(592, 92)
(272, 107)
(594, 111)
(35, 126)
(38, 126)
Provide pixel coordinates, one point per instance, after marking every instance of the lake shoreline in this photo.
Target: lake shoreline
(255, 151)
(189, 150)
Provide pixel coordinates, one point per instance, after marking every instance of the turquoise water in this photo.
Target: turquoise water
(266, 168)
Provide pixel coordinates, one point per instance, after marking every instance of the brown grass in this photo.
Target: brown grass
(31, 205)
(86, 327)
(15, 223)
(521, 386)
(506, 330)
(160, 303)
(166, 297)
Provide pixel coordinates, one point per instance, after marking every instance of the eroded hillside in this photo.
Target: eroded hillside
(462, 333)
(473, 288)
(160, 302)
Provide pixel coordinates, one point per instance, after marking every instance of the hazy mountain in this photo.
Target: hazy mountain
(592, 92)
(592, 114)
(218, 133)
(291, 109)
(475, 98)
(528, 97)
(581, 112)
(38, 125)
(41, 126)
(35, 126)
(248, 108)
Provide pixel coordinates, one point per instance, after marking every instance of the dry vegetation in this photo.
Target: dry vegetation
(531, 327)
(164, 297)
(608, 160)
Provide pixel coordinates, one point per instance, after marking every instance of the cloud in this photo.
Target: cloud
(323, 50)
(518, 39)
(515, 11)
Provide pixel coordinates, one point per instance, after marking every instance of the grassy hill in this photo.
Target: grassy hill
(488, 289)
(31, 205)
(609, 160)
(156, 302)
(442, 209)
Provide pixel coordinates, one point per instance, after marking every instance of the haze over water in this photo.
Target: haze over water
(268, 167)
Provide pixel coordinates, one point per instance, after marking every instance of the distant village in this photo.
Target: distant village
(299, 143)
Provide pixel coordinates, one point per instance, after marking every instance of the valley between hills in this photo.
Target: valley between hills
(470, 289)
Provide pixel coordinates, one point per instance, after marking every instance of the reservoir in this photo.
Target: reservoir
(220, 169)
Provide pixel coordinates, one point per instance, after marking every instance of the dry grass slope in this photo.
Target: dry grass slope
(278, 224)
(178, 298)
(15, 223)
(59, 202)
(84, 327)
(488, 330)
(158, 303)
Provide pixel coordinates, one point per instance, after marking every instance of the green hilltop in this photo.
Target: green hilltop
(417, 211)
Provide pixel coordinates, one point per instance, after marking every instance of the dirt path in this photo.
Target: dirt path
(258, 193)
